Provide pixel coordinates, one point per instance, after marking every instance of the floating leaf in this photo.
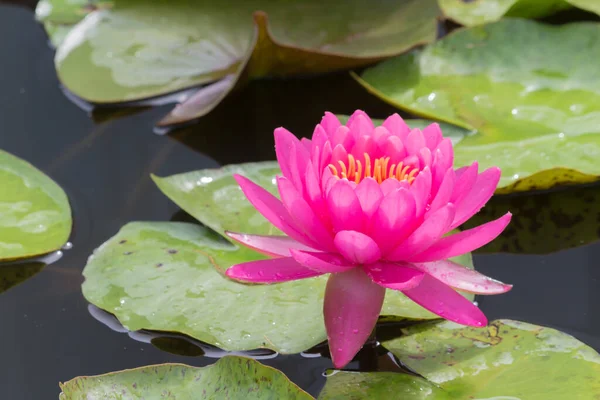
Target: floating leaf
(543, 222)
(507, 359)
(480, 12)
(537, 116)
(343, 385)
(164, 276)
(229, 378)
(139, 49)
(214, 198)
(35, 216)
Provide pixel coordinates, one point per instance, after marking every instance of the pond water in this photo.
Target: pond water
(103, 163)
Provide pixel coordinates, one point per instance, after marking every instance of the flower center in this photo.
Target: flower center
(380, 170)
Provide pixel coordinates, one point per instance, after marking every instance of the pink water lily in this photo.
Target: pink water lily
(372, 206)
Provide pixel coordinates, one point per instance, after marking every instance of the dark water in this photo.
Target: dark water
(47, 333)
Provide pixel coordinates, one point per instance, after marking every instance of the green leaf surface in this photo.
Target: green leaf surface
(35, 216)
(506, 360)
(479, 12)
(138, 49)
(537, 115)
(344, 385)
(229, 378)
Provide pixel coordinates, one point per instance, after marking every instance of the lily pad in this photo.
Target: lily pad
(138, 49)
(35, 216)
(345, 385)
(537, 116)
(507, 360)
(214, 198)
(229, 378)
(480, 12)
(543, 223)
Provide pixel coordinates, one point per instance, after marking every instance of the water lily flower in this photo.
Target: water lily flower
(373, 207)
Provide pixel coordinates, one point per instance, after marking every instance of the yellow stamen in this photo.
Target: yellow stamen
(380, 170)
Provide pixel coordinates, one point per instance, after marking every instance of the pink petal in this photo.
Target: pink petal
(342, 136)
(357, 247)
(273, 210)
(420, 189)
(465, 179)
(444, 301)
(304, 216)
(463, 278)
(270, 271)
(324, 158)
(369, 195)
(351, 308)
(339, 155)
(360, 123)
(433, 136)
(394, 276)
(274, 246)
(425, 157)
(315, 196)
(391, 184)
(285, 143)
(444, 192)
(322, 262)
(394, 148)
(307, 143)
(482, 191)
(396, 125)
(443, 158)
(414, 142)
(464, 242)
(364, 144)
(330, 123)
(319, 138)
(394, 220)
(428, 233)
(344, 207)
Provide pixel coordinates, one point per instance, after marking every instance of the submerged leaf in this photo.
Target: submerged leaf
(138, 49)
(543, 222)
(537, 116)
(507, 359)
(230, 377)
(35, 216)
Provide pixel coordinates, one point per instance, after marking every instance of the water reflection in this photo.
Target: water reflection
(15, 272)
(544, 222)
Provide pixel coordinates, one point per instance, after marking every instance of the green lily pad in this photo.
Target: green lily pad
(472, 13)
(35, 216)
(138, 49)
(543, 223)
(537, 116)
(480, 12)
(229, 378)
(506, 360)
(344, 385)
(165, 276)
